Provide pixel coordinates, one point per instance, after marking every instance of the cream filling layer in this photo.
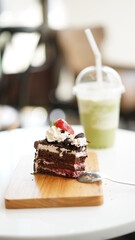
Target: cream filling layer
(54, 149)
(61, 171)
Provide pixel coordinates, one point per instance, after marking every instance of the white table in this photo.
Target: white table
(114, 218)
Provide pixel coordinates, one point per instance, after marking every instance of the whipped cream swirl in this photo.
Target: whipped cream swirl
(56, 134)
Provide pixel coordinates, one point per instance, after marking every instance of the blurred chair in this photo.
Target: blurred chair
(15, 60)
(11, 73)
(33, 84)
(42, 79)
(75, 49)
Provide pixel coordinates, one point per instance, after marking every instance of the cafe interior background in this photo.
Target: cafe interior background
(43, 48)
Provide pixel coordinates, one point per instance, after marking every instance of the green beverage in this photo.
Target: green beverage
(100, 120)
(99, 105)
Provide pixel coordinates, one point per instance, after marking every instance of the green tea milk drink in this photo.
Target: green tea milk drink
(99, 105)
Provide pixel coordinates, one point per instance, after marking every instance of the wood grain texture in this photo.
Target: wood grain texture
(38, 191)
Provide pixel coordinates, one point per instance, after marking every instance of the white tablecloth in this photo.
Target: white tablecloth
(114, 218)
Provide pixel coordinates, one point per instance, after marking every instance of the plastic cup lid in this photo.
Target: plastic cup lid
(86, 84)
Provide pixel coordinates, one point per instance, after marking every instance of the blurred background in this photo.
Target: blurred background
(43, 47)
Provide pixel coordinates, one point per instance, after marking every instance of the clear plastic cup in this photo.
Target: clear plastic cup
(99, 105)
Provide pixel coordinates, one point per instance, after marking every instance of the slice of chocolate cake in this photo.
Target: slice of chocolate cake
(62, 152)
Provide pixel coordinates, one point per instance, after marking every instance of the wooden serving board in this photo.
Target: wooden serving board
(38, 191)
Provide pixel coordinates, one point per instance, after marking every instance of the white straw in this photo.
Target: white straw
(96, 52)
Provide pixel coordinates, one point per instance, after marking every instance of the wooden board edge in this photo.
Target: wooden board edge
(54, 203)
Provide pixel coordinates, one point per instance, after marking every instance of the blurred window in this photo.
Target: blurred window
(21, 13)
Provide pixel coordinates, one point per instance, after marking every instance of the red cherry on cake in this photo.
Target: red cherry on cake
(63, 125)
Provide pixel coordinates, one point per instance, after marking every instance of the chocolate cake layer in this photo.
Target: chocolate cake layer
(44, 163)
(65, 157)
